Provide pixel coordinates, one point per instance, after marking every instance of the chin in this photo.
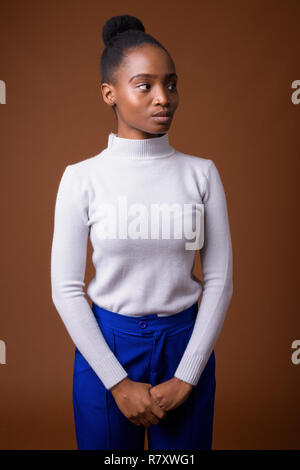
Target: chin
(162, 128)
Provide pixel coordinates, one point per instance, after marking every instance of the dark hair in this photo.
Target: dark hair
(119, 34)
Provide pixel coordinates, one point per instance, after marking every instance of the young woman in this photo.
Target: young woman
(144, 354)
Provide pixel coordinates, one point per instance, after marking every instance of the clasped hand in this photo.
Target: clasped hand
(143, 404)
(170, 394)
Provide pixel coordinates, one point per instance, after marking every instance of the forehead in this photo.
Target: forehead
(146, 59)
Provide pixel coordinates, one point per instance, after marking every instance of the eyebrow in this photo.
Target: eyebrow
(173, 74)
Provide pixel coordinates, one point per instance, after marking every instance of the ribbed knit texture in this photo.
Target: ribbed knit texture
(141, 267)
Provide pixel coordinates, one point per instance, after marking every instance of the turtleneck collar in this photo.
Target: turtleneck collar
(138, 149)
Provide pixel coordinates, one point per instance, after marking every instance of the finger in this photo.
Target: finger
(135, 421)
(158, 411)
(145, 422)
(155, 400)
(153, 419)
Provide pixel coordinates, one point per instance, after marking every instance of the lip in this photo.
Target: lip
(162, 118)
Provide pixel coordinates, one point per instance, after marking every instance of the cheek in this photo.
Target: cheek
(133, 101)
(139, 101)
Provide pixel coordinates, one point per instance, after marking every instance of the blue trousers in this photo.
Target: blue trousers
(149, 348)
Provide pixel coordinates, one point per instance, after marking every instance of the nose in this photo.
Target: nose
(161, 97)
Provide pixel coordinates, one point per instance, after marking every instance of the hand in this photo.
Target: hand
(171, 394)
(136, 403)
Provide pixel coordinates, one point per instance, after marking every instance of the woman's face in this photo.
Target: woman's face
(138, 98)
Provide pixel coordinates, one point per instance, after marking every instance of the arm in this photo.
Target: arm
(216, 262)
(68, 263)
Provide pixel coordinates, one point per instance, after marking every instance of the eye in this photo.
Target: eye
(144, 84)
(174, 84)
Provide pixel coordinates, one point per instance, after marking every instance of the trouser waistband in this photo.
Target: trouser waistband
(116, 320)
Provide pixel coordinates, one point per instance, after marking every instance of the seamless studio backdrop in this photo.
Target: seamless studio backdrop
(239, 91)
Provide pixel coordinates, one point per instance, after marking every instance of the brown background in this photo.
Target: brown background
(236, 61)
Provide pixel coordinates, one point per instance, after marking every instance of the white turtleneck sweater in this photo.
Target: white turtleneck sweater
(147, 209)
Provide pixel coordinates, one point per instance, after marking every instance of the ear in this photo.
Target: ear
(108, 94)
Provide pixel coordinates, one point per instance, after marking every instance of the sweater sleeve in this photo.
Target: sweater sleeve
(216, 263)
(68, 264)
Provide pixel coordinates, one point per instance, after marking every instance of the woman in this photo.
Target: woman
(144, 352)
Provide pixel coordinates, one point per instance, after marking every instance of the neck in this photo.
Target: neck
(138, 149)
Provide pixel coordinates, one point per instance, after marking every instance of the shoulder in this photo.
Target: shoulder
(75, 178)
(198, 163)
(85, 167)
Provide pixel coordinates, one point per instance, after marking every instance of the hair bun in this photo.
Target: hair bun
(119, 24)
